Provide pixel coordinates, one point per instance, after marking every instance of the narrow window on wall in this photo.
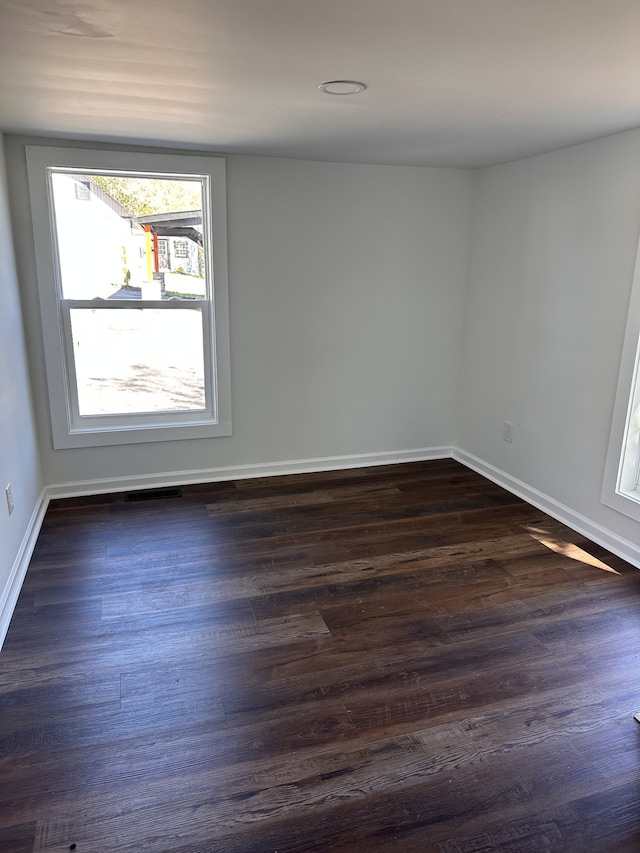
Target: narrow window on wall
(135, 351)
(621, 488)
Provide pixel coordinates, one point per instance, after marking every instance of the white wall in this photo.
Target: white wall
(552, 261)
(19, 463)
(346, 299)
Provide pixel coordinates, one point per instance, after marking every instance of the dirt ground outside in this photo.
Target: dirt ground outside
(131, 361)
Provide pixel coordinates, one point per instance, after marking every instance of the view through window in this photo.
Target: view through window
(131, 355)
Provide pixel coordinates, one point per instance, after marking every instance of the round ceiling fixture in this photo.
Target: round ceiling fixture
(342, 87)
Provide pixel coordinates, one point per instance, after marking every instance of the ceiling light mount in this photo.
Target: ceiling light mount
(342, 87)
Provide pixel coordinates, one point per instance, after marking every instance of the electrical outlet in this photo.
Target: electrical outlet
(9, 496)
(507, 432)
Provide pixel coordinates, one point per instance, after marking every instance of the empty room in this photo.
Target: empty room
(319, 426)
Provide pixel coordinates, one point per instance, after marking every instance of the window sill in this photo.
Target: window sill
(104, 437)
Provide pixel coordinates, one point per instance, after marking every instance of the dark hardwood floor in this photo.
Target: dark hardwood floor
(404, 658)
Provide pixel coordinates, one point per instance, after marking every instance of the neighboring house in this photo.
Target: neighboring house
(101, 246)
(177, 241)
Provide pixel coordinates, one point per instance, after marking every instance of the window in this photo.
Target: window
(181, 249)
(134, 353)
(621, 489)
(83, 190)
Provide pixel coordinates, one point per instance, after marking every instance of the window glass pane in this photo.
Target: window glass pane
(131, 361)
(122, 237)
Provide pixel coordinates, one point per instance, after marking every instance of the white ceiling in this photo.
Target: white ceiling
(450, 82)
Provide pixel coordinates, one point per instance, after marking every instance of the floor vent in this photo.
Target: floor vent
(153, 495)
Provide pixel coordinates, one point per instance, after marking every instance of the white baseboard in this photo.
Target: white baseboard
(9, 595)
(616, 544)
(243, 472)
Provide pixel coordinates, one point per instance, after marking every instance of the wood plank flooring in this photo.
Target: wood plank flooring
(394, 659)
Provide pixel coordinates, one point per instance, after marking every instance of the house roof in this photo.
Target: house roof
(103, 195)
(183, 218)
(186, 224)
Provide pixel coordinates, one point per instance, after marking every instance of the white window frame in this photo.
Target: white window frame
(68, 429)
(621, 487)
